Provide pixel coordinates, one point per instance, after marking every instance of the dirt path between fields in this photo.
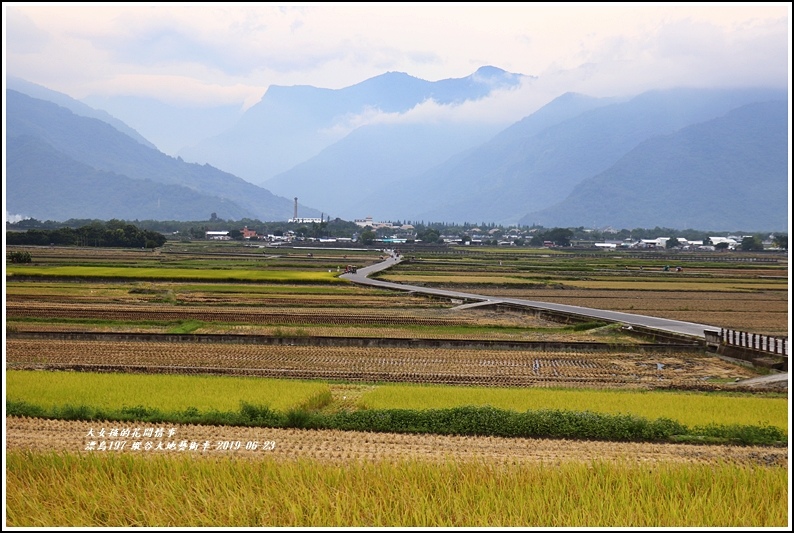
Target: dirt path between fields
(343, 446)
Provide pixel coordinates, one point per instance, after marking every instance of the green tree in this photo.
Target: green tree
(780, 240)
(536, 240)
(752, 244)
(559, 236)
(367, 236)
(318, 230)
(672, 243)
(429, 235)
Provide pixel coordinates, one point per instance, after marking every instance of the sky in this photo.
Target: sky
(209, 54)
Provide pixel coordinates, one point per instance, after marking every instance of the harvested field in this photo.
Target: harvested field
(763, 312)
(381, 319)
(626, 369)
(604, 334)
(345, 446)
(259, 300)
(255, 315)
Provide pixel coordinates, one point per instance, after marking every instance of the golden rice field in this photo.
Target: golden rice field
(178, 392)
(689, 408)
(167, 392)
(333, 478)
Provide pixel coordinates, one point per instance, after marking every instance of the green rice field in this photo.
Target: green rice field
(272, 276)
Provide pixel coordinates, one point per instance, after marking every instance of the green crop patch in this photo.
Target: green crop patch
(176, 274)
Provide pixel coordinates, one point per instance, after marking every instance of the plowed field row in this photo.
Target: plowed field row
(415, 365)
(765, 312)
(344, 301)
(237, 314)
(355, 331)
(345, 446)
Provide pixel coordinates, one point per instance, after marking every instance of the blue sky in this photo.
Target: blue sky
(203, 54)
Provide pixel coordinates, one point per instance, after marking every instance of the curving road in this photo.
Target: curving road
(675, 326)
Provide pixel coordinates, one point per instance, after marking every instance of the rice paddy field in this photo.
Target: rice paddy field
(206, 327)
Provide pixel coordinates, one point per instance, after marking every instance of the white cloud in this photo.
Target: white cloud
(236, 50)
(502, 107)
(12, 218)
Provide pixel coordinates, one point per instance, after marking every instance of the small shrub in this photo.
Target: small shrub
(259, 415)
(299, 419)
(20, 257)
(137, 412)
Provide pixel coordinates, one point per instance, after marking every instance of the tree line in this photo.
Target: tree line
(114, 233)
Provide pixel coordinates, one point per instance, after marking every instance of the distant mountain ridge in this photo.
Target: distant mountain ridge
(93, 151)
(292, 124)
(538, 161)
(47, 185)
(75, 106)
(722, 173)
(577, 161)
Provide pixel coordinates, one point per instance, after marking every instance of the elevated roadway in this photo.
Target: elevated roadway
(689, 329)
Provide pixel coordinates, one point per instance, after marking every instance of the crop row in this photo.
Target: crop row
(237, 314)
(220, 299)
(417, 365)
(758, 312)
(351, 331)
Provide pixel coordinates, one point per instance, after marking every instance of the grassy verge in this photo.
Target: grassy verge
(467, 420)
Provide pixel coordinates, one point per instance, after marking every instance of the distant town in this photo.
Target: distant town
(369, 232)
(389, 233)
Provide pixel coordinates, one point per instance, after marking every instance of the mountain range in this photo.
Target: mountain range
(60, 165)
(713, 159)
(292, 124)
(721, 173)
(537, 162)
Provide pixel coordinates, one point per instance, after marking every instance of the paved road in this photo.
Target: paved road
(676, 326)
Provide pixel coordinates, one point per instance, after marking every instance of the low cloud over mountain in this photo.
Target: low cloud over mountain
(400, 148)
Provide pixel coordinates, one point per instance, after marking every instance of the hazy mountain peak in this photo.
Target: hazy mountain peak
(58, 154)
(290, 125)
(75, 106)
(489, 71)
